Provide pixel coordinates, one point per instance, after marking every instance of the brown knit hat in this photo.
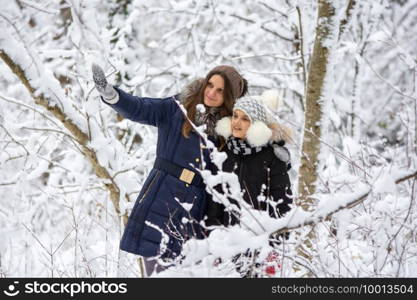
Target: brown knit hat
(238, 84)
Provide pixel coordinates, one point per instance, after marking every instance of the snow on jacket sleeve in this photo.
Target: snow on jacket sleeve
(280, 187)
(148, 111)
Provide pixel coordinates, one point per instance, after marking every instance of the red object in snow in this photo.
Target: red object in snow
(270, 270)
(272, 264)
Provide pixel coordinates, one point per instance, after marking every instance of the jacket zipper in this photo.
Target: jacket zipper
(240, 168)
(149, 186)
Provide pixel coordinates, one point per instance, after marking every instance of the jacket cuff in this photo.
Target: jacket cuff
(114, 99)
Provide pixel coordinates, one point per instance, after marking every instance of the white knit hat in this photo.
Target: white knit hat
(254, 107)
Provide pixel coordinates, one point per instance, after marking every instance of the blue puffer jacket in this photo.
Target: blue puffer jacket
(157, 214)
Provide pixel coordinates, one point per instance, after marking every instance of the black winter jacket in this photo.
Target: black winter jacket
(260, 173)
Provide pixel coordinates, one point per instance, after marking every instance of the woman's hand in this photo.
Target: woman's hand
(108, 93)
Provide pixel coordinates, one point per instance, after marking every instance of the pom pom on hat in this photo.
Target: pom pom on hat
(272, 100)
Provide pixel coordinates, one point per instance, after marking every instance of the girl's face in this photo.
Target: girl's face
(240, 124)
(213, 93)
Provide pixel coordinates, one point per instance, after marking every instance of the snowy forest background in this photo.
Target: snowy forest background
(71, 168)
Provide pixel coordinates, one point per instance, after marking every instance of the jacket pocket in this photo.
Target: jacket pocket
(149, 186)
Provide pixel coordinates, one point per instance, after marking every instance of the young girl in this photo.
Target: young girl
(159, 223)
(256, 153)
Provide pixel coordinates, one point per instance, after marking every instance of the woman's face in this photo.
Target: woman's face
(240, 124)
(213, 93)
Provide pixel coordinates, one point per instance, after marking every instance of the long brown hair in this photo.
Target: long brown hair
(196, 96)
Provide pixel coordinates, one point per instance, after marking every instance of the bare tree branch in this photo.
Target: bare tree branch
(301, 38)
(288, 39)
(345, 20)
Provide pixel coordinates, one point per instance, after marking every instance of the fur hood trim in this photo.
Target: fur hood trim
(191, 89)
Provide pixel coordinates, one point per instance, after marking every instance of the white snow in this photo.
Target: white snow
(52, 200)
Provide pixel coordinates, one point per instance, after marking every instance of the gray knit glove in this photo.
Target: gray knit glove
(108, 93)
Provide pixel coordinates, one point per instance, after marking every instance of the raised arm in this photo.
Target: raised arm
(150, 111)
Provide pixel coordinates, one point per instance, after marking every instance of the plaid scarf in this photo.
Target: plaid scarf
(239, 146)
(208, 118)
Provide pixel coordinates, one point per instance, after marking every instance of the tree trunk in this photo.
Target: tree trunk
(314, 103)
(326, 38)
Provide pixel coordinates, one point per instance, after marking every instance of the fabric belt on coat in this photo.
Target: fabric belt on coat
(183, 174)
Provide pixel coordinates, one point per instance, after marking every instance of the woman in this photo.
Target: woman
(161, 219)
(256, 153)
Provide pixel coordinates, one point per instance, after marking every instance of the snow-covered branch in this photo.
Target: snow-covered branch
(75, 131)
